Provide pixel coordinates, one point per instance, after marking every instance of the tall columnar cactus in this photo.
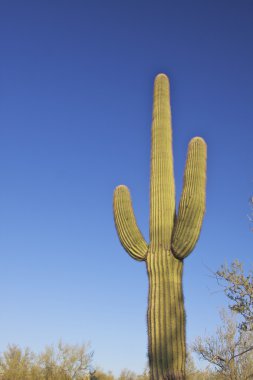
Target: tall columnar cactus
(172, 237)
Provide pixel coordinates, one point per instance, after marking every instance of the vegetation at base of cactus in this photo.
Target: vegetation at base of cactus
(172, 237)
(230, 350)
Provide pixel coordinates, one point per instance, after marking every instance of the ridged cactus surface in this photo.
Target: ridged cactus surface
(172, 237)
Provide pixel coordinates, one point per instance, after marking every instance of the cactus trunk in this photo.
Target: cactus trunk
(172, 237)
(166, 317)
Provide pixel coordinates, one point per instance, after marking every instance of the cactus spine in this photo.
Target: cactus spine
(172, 237)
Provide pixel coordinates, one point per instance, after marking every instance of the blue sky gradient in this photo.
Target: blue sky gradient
(75, 116)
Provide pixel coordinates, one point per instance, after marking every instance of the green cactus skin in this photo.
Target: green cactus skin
(172, 237)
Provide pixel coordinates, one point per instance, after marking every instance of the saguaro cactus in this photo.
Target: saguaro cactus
(172, 237)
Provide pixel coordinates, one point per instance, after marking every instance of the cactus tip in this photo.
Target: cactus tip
(121, 188)
(197, 139)
(161, 76)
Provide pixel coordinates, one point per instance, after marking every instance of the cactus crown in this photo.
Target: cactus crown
(175, 233)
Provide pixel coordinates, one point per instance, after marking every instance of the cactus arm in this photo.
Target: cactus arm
(192, 204)
(162, 187)
(125, 222)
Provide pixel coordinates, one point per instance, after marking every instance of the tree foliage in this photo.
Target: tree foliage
(65, 362)
(17, 364)
(99, 374)
(229, 351)
(238, 287)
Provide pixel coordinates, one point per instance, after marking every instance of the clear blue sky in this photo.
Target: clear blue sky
(76, 80)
